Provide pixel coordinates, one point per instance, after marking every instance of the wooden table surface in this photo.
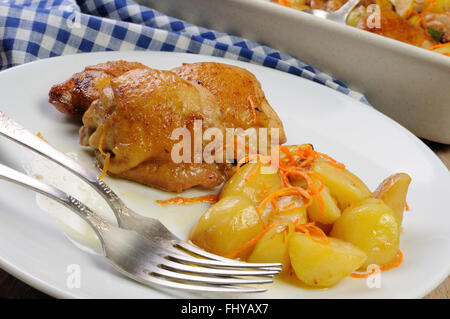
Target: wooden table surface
(11, 287)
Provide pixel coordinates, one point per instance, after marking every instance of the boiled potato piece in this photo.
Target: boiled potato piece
(346, 187)
(294, 210)
(370, 225)
(331, 211)
(322, 265)
(272, 247)
(255, 188)
(392, 191)
(227, 225)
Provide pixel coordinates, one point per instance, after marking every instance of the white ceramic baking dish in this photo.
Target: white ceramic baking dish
(410, 84)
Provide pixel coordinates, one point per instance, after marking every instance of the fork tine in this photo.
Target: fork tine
(233, 263)
(206, 280)
(219, 264)
(148, 278)
(167, 264)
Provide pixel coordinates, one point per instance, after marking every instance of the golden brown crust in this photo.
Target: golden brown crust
(74, 96)
(172, 177)
(232, 86)
(138, 113)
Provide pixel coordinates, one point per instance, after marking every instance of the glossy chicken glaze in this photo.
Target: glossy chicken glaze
(232, 87)
(135, 110)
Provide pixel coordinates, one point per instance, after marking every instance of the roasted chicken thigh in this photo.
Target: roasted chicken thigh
(130, 113)
(134, 119)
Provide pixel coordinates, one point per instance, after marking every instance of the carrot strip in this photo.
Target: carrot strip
(396, 263)
(288, 206)
(440, 45)
(179, 200)
(357, 275)
(249, 158)
(38, 134)
(284, 3)
(310, 229)
(105, 166)
(264, 190)
(254, 172)
(252, 241)
(253, 109)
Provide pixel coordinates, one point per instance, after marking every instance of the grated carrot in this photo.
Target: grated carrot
(288, 206)
(310, 230)
(285, 3)
(252, 108)
(179, 200)
(252, 241)
(254, 172)
(396, 263)
(250, 158)
(38, 134)
(264, 189)
(440, 45)
(288, 191)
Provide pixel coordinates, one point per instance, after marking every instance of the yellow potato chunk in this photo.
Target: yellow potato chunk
(291, 209)
(370, 225)
(322, 265)
(346, 187)
(392, 191)
(272, 247)
(227, 225)
(257, 186)
(330, 212)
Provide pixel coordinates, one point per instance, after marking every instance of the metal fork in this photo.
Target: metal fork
(173, 256)
(339, 15)
(147, 261)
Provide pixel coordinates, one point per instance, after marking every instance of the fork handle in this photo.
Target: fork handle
(97, 223)
(17, 133)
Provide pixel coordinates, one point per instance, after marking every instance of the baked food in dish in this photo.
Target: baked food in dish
(423, 23)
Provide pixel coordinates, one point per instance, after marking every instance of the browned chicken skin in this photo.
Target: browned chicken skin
(131, 111)
(75, 95)
(232, 86)
(137, 113)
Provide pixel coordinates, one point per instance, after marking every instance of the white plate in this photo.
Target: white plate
(34, 249)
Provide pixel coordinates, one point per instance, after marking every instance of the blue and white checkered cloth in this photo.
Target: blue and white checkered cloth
(37, 29)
